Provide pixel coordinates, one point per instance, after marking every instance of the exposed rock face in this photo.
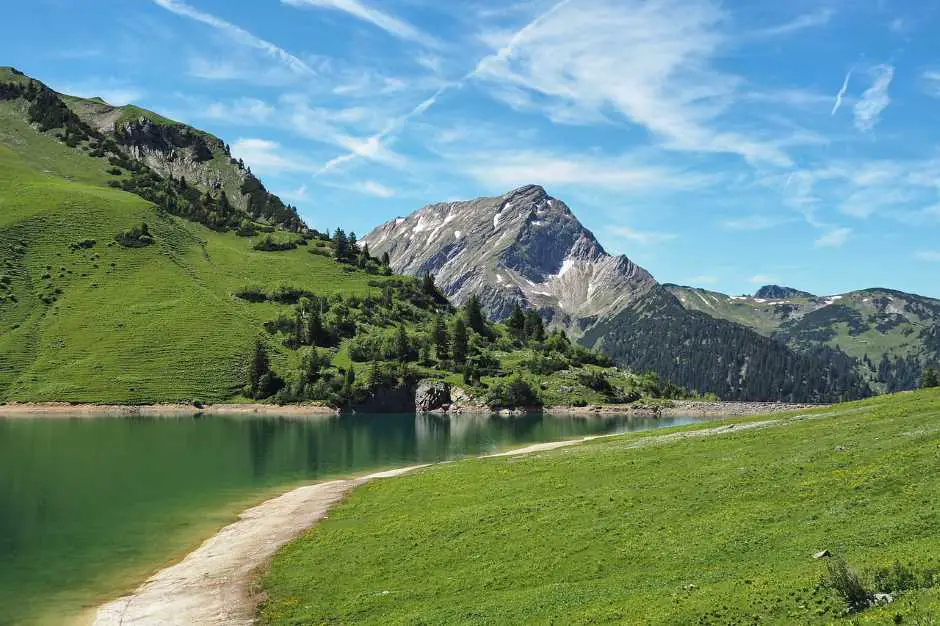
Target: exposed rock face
(432, 396)
(776, 292)
(524, 246)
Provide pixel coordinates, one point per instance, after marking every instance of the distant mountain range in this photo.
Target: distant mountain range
(892, 334)
(527, 247)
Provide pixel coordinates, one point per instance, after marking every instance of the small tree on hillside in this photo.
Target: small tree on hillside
(340, 245)
(460, 341)
(930, 378)
(534, 327)
(441, 339)
(473, 312)
(516, 322)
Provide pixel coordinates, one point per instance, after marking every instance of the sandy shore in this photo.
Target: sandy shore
(213, 584)
(68, 410)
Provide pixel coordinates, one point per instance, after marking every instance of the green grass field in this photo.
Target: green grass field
(719, 529)
(124, 325)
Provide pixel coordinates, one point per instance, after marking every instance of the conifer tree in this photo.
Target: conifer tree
(460, 341)
(441, 339)
(516, 322)
(930, 379)
(473, 312)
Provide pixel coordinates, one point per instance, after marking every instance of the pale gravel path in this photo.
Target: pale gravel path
(213, 584)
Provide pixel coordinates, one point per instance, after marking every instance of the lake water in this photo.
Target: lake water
(90, 507)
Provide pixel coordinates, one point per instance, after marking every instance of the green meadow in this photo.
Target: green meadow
(109, 324)
(717, 529)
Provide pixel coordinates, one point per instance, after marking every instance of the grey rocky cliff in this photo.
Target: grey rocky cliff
(524, 246)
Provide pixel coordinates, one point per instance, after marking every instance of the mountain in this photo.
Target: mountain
(524, 247)
(527, 247)
(140, 263)
(892, 334)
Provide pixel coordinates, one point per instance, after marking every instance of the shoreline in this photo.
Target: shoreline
(89, 410)
(674, 408)
(217, 583)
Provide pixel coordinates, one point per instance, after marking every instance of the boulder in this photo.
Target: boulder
(432, 395)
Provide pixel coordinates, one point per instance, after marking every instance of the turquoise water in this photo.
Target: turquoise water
(90, 507)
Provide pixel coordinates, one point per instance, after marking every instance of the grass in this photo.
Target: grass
(113, 325)
(717, 530)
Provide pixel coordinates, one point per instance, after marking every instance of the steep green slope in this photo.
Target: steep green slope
(640, 529)
(891, 333)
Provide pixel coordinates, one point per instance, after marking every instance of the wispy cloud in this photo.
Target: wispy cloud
(264, 156)
(841, 95)
(639, 236)
(245, 111)
(237, 34)
(753, 222)
(931, 82)
(377, 189)
(835, 238)
(762, 279)
(660, 54)
(392, 25)
(815, 19)
(110, 90)
(507, 168)
(875, 99)
(932, 256)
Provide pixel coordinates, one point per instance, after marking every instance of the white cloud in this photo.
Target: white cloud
(242, 111)
(820, 17)
(931, 81)
(264, 156)
(109, 90)
(639, 236)
(841, 95)
(392, 25)
(508, 168)
(875, 99)
(762, 279)
(298, 194)
(237, 34)
(753, 222)
(835, 238)
(377, 189)
(643, 62)
(929, 255)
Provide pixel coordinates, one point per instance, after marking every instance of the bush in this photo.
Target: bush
(84, 244)
(517, 392)
(251, 293)
(136, 237)
(546, 365)
(269, 245)
(846, 583)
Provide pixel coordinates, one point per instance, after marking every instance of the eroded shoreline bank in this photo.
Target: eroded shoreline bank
(675, 408)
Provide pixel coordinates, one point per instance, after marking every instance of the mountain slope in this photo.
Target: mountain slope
(121, 282)
(526, 247)
(893, 334)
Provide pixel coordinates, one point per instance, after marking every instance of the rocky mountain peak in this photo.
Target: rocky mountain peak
(777, 292)
(524, 246)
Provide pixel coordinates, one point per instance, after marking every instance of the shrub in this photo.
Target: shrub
(84, 244)
(251, 293)
(517, 392)
(136, 237)
(269, 245)
(846, 583)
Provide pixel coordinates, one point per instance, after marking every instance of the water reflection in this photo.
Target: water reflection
(82, 499)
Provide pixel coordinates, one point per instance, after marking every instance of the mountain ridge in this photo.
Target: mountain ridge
(528, 248)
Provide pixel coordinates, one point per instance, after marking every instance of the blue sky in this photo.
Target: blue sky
(722, 144)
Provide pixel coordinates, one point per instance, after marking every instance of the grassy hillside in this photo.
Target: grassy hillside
(682, 529)
(893, 334)
(95, 309)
